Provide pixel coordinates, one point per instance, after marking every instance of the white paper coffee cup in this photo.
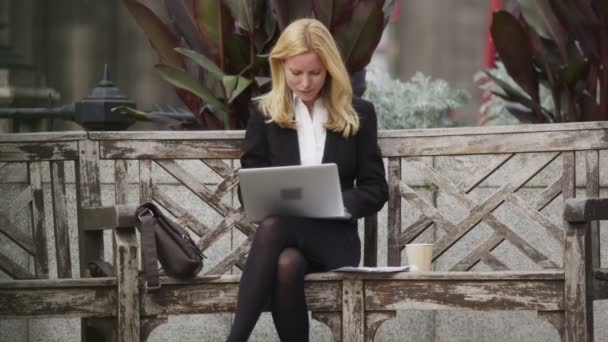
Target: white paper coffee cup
(419, 255)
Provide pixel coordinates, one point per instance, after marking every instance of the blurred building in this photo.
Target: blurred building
(63, 45)
(443, 39)
(67, 42)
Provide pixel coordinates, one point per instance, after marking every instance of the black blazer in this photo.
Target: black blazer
(358, 158)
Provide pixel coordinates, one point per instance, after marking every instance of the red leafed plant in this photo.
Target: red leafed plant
(214, 51)
(558, 45)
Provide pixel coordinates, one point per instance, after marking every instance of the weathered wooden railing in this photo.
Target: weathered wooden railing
(587, 280)
(491, 200)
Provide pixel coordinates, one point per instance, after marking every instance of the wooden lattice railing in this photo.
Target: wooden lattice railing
(480, 194)
(26, 162)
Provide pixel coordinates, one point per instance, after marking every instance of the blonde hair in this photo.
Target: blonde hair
(302, 36)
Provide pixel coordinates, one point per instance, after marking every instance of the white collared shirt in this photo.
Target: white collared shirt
(311, 131)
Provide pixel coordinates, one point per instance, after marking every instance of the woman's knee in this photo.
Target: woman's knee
(269, 230)
(291, 265)
(270, 224)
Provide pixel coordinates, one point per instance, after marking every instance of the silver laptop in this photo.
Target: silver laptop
(304, 191)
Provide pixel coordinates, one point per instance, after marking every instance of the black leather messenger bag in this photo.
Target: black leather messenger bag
(165, 241)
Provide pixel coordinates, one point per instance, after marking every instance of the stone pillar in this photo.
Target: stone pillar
(444, 39)
(22, 84)
(3, 22)
(134, 73)
(4, 124)
(82, 35)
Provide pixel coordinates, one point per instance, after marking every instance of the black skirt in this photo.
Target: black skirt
(325, 243)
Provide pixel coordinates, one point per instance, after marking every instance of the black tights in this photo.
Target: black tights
(288, 301)
(276, 267)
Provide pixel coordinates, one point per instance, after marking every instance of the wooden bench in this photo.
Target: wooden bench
(465, 189)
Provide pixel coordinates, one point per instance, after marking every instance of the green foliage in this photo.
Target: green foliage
(417, 103)
(212, 50)
(559, 46)
(208, 52)
(500, 111)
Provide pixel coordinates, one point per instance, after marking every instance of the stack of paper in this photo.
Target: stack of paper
(381, 269)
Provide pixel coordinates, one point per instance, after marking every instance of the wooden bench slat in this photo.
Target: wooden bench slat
(535, 216)
(211, 135)
(478, 253)
(127, 274)
(353, 311)
(198, 227)
(520, 243)
(145, 180)
(220, 296)
(234, 257)
(414, 230)
(557, 274)
(494, 263)
(32, 151)
(220, 167)
(60, 220)
(222, 228)
(121, 183)
(57, 301)
(493, 130)
(13, 172)
(14, 270)
(601, 273)
(445, 275)
(356, 303)
(476, 143)
(431, 133)
(490, 203)
(43, 136)
(100, 218)
(589, 209)
(393, 209)
(370, 241)
(483, 172)
(548, 194)
(88, 191)
(41, 262)
(155, 149)
(601, 283)
(59, 283)
(193, 183)
(16, 235)
(505, 232)
(592, 177)
(20, 202)
(456, 294)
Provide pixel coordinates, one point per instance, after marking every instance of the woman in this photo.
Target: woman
(309, 117)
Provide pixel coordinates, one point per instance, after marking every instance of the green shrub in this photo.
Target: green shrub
(417, 103)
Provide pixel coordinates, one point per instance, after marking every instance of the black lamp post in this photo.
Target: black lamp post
(94, 112)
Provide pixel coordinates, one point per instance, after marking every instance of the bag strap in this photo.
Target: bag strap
(100, 268)
(147, 227)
